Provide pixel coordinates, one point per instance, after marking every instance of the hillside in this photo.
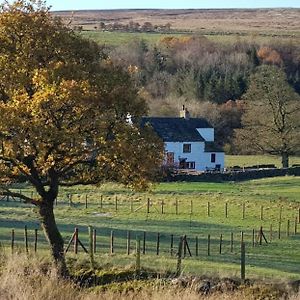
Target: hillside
(283, 20)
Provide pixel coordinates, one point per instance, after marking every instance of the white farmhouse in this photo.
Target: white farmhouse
(189, 142)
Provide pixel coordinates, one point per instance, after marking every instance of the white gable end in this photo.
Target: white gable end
(207, 133)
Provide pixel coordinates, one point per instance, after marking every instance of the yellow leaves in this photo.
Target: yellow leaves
(268, 55)
(63, 109)
(132, 69)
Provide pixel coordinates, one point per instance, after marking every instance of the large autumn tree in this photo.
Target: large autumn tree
(271, 122)
(64, 114)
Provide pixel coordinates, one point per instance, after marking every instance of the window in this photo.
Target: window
(170, 158)
(190, 165)
(213, 158)
(187, 148)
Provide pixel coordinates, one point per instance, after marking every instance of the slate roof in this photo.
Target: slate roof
(212, 147)
(177, 129)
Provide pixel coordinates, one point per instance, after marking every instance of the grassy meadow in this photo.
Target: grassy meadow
(201, 211)
(252, 160)
(115, 38)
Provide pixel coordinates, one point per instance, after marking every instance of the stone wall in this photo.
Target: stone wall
(233, 175)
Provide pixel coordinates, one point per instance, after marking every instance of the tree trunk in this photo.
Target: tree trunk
(53, 235)
(285, 160)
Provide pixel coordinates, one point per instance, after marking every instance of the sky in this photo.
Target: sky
(119, 4)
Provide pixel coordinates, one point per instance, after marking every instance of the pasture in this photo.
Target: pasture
(270, 21)
(120, 38)
(193, 209)
(252, 160)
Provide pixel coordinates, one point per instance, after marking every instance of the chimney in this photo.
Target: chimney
(184, 113)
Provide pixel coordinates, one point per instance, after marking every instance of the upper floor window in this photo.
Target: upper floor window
(187, 148)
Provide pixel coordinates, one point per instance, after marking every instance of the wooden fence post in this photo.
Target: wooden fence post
(116, 203)
(94, 240)
(280, 213)
(221, 240)
(112, 242)
(138, 257)
(26, 239)
(35, 240)
(76, 241)
(197, 246)
(172, 243)
(157, 243)
(191, 211)
(128, 242)
(253, 237)
(176, 206)
(12, 241)
(279, 230)
(91, 246)
(179, 257)
(243, 262)
(162, 207)
(261, 213)
(260, 235)
(144, 242)
(226, 210)
(288, 228)
(271, 232)
(208, 245)
(242, 236)
(86, 201)
(101, 202)
(208, 209)
(244, 208)
(184, 246)
(148, 205)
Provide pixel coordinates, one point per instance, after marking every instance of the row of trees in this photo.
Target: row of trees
(134, 27)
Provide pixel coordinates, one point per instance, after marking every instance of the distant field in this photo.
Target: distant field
(221, 25)
(201, 212)
(283, 21)
(121, 38)
(251, 160)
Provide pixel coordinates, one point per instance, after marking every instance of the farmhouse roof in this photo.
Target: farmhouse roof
(177, 129)
(212, 147)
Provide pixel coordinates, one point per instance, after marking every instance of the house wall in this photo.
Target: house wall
(202, 159)
(207, 133)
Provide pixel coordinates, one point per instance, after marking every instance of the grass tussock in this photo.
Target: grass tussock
(23, 278)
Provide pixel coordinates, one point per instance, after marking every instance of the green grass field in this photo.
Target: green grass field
(262, 199)
(251, 160)
(121, 38)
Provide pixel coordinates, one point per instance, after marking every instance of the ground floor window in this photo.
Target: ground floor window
(190, 165)
(213, 157)
(170, 158)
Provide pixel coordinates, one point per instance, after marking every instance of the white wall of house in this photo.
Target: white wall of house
(207, 133)
(202, 159)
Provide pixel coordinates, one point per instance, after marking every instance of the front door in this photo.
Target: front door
(170, 158)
